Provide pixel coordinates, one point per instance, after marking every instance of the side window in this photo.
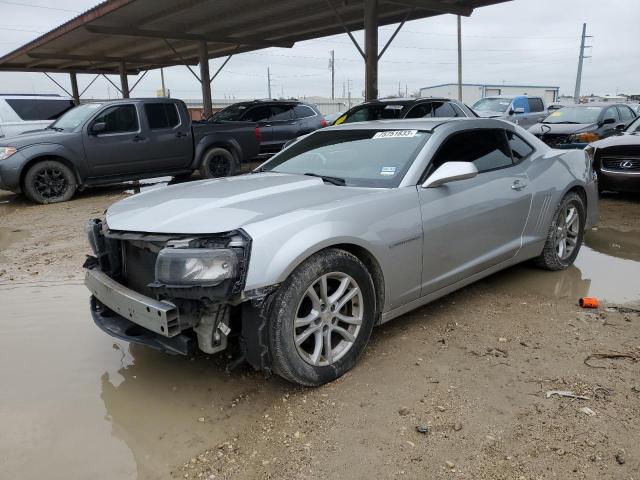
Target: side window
(281, 112)
(257, 114)
(443, 109)
(536, 105)
(161, 115)
(626, 113)
(119, 119)
(520, 102)
(458, 110)
(519, 148)
(28, 109)
(423, 110)
(611, 112)
(302, 111)
(487, 149)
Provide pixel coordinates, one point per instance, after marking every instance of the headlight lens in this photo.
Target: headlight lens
(6, 152)
(195, 266)
(587, 137)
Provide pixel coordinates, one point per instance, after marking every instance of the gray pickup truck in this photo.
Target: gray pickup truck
(115, 141)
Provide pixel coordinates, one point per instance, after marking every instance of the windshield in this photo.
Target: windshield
(634, 127)
(365, 113)
(574, 115)
(76, 116)
(232, 113)
(498, 105)
(362, 158)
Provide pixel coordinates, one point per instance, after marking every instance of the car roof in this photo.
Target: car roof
(420, 124)
(594, 104)
(403, 101)
(33, 96)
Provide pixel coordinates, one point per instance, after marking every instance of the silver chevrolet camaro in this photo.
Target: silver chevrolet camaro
(291, 266)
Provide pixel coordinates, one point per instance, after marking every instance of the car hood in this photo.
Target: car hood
(33, 137)
(628, 139)
(225, 204)
(561, 128)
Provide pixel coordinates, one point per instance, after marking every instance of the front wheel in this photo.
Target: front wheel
(565, 234)
(322, 318)
(218, 162)
(49, 181)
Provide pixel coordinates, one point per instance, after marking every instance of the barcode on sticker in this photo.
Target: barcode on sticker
(396, 134)
(224, 329)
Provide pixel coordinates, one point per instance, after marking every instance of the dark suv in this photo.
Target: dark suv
(279, 120)
(397, 108)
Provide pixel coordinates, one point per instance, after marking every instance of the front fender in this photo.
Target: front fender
(73, 159)
(390, 229)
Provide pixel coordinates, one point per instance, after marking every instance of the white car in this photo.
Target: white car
(21, 113)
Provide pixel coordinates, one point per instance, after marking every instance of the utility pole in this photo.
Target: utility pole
(332, 67)
(576, 92)
(164, 91)
(269, 81)
(459, 59)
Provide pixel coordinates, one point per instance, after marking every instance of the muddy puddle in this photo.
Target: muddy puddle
(608, 267)
(74, 404)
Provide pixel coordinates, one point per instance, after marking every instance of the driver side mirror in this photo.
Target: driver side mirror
(98, 127)
(620, 128)
(450, 172)
(609, 121)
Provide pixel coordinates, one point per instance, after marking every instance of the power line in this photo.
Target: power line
(20, 4)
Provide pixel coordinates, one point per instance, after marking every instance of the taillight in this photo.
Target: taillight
(258, 134)
(323, 123)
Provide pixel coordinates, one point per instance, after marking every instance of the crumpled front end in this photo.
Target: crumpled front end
(175, 293)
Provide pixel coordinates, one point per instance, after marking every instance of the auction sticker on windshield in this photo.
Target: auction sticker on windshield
(388, 171)
(396, 134)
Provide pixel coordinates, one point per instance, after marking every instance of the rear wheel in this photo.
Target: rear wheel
(565, 235)
(218, 162)
(49, 181)
(322, 318)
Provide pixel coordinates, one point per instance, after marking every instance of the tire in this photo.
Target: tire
(564, 239)
(49, 181)
(218, 162)
(297, 361)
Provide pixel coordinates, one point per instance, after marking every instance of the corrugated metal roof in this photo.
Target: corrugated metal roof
(136, 31)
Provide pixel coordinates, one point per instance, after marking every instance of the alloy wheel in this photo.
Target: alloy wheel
(51, 183)
(328, 319)
(567, 231)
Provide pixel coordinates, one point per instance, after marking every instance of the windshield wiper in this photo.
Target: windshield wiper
(341, 182)
(57, 129)
(565, 122)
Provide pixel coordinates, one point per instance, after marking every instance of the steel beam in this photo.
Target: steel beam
(207, 107)
(74, 88)
(371, 49)
(435, 6)
(124, 81)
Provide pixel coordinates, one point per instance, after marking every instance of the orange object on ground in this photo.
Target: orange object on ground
(588, 302)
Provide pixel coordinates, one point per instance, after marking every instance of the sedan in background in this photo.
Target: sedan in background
(519, 109)
(397, 108)
(576, 126)
(616, 160)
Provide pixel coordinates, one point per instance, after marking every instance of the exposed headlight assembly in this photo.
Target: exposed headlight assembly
(586, 137)
(6, 152)
(195, 266)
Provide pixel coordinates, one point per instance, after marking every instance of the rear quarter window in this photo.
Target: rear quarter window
(302, 111)
(39, 109)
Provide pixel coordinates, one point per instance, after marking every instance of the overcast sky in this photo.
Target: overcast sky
(529, 42)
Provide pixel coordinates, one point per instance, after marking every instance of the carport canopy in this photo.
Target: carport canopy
(127, 37)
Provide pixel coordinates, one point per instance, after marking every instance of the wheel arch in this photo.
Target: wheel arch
(42, 158)
(204, 146)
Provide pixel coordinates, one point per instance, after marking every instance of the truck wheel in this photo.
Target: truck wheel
(564, 238)
(321, 318)
(218, 162)
(49, 181)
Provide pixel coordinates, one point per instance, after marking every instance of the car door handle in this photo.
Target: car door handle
(518, 185)
(138, 138)
(181, 134)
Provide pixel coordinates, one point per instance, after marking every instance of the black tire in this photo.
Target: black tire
(218, 162)
(287, 360)
(551, 258)
(49, 181)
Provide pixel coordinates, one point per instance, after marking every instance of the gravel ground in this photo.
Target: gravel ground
(457, 389)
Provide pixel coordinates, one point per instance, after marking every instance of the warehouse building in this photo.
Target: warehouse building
(472, 92)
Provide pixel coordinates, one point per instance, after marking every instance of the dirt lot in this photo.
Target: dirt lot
(472, 372)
